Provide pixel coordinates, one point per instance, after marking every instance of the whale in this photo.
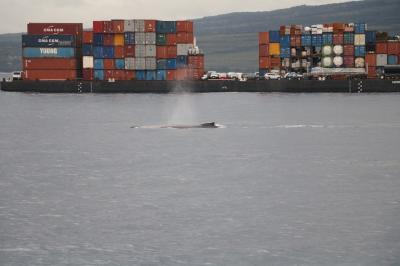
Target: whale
(183, 126)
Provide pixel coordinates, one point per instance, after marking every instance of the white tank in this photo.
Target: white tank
(338, 49)
(327, 62)
(360, 62)
(327, 50)
(307, 28)
(293, 51)
(338, 61)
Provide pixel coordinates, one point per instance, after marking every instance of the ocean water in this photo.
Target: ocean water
(291, 179)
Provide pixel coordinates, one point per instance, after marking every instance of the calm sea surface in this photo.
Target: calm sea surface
(293, 179)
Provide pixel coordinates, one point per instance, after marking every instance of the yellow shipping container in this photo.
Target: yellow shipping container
(359, 39)
(274, 49)
(119, 40)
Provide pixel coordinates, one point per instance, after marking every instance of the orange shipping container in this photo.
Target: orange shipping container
(184, 26)
(117, 26)
(274, 49)
(118, 52)
(264, 50)
(49, 63)
(275, 62)
(109, 64)
(381, 48)
(393, 48)
(184, 37)
(130, 74)
(150, 26)
(370, 60)
(108, 39)
(88, 37)
(263, 38)
(162, 52)
(264, 62)
(171, 39)
(119, 40)
(196, 61)
(50, 74)
(172, 51)
(171, 74)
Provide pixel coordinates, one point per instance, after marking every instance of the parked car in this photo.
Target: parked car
(272, 76)
(293, 75)
(17, 75)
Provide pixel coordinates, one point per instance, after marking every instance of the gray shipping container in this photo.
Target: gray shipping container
(140, 50)
(381, 59)
(140, 38)
(129, 25)
(140, 63)
(151, 63)
(130, 63)
(150, 38)
(139, 25)
(151, 51)
(183, 48)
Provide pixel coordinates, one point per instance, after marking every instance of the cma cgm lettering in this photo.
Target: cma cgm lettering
(75, 29)
(31, 52)
(48, 41)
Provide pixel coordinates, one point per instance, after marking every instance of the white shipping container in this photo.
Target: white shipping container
(151, 51)
(140, 38)
(130, 63)
(359, 62)
(359, 39)
(140, 50)
(150, 38)
(183, 48)
(88, 62)
(139, 25)
(381, 59)
(140, 63)
(129, 25)
(151, 63)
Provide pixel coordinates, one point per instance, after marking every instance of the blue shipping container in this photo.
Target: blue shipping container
(262, 72)
(98, 52)
(119, 63)
(98, 64)
(370, 37)
(171, 64)
(48, 41)
(49, 52)
(151, 75)
(181, 61)
(327, 39)
(129, 38)
(316, 40)
(108, 52)
(274, 36)
(359, 51)
(285, 52)
(393, 59)
(285, 41)
(348, 38)
(162, 64)
(161, 74)
(98, 39)
(306, 40)
(99, 74)
(87, 49)
(166, 26)
(360, 28)
(140, 74)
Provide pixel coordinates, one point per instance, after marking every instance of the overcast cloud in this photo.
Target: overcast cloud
(14, 15)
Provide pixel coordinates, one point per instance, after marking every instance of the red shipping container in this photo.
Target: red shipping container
(381, 48)
(108, 39)
(98, 26)
(129, 51)
(393, 48)
(171, 74)
(88, 74)
(161, 52)
(49, 63)
(184, 26)
(182, 74)
(263, 38)
(119, 52)
(264, 50)
(150, 26)
(184, 37)
(55, 28)
(264, 62)
(171, 39)
(50, 74)
(372, 71)
(370, 60)
(109, 64)
(108, 27)
(172, 51)
(338, 28)
(130, 74)
(197, 74)
(88, 37)
(298, 41)
(338, 38)
(275, 62)
(348, 61)
(196, 61)
(117, 26)
(348, 50)
(114, 74)
(293, 41)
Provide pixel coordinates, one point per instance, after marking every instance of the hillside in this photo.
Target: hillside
(230, 40)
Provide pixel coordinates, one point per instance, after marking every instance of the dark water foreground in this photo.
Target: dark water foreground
(293, 179)
(290, 86)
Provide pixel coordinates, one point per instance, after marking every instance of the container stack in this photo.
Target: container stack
(270, 51)
(87, 52)
(52, 51)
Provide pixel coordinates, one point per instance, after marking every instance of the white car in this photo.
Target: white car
(272, 76)
(17, 75)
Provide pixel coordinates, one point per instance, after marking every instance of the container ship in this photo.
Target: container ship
(161, 57)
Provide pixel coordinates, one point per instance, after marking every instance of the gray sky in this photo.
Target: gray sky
(14, 15)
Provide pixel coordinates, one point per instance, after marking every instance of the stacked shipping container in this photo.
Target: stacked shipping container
(52, 51)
